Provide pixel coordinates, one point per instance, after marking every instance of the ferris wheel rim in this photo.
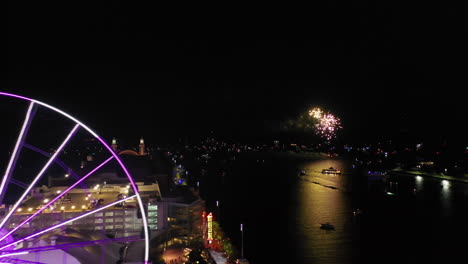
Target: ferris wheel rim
(113, 153)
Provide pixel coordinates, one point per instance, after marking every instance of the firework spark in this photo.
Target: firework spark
(327, 124)
(316, 113)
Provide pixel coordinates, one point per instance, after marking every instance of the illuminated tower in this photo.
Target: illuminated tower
(114, 144)
(142, 147)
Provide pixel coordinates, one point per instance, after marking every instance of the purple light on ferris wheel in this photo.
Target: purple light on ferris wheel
(57, 160)
(11, 261)
(66, 222)
(140, 202)
(15, 152)
(14, 254)
(56, 198)
(38, 176)
(75, 244)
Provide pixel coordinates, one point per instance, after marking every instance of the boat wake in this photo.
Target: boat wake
(318, 183)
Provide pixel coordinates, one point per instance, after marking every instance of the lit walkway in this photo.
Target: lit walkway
(433, 175)
(174, 256)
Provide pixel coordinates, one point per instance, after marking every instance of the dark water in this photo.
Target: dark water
(282, 211)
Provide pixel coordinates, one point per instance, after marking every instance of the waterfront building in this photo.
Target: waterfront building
(121, 220)
(185, 220)
(173, 212)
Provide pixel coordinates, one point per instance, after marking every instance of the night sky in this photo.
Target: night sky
(131, 71)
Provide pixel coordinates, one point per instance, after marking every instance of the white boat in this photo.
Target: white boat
(331, 170)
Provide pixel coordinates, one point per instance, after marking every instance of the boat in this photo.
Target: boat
(302, 172)
(376, 173)
(331, 170)
(327, 226)
(357, 212)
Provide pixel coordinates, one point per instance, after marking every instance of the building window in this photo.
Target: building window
(153, 214)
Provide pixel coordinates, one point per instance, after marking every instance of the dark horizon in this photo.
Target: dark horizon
(378, 69)
(116, 116)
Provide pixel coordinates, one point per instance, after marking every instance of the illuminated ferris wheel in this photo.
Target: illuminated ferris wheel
(55, 206)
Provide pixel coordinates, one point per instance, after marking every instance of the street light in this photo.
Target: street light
(218, 212)
(242, 240)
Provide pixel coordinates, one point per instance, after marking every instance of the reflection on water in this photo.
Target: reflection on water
(320, 204)
(420, 221)
(419, 183)
(426, 203)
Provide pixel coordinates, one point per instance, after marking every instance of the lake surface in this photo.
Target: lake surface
(424, 219)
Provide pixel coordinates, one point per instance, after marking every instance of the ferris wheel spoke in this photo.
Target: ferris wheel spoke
(17, 261)
(57, 160)
(56, 198)
(10, 254)
(73, 245)
(66, 222)
(16, 150)
(38, 176)
(7, 257)
(19, 183)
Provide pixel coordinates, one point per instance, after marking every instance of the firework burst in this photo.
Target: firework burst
(327, 124)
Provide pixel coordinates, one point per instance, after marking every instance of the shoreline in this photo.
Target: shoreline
(425, 174)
